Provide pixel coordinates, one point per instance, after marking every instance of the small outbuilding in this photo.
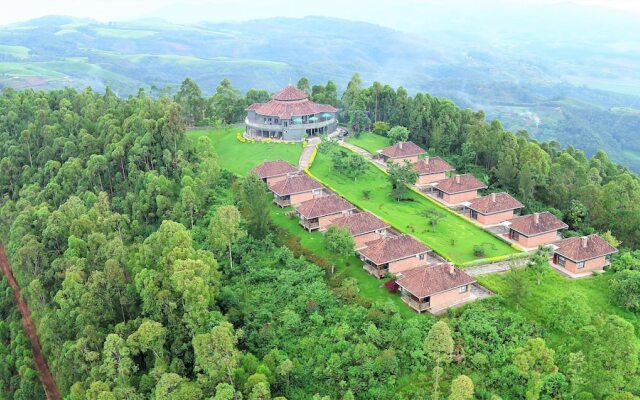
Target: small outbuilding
(363, 226)
(582, 255)
(274, 171)
(492, 209)
(393, 254)
(535, 230)
(295, 189)
(435, 287)
(431, 169)
(458, 189)
(320, 212)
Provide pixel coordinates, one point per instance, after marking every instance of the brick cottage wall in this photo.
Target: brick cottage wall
(430, 178)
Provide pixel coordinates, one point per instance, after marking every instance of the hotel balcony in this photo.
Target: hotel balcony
(279, 126)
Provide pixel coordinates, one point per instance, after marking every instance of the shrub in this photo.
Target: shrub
(478, 251)
(392, 286)
(366, 194)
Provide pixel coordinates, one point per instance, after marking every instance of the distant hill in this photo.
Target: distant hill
(58, 51)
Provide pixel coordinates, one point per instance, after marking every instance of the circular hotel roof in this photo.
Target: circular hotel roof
(290, 93)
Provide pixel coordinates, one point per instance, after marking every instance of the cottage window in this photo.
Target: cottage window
(421, 256)
(580, 265)
(561, 261)
(515, 235)
(440, 194)
(463, 289)
(474, 214)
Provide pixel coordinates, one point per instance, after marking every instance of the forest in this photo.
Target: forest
(151, 272)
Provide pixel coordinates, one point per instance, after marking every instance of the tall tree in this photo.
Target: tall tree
(192, 104)
(216, 353)
(225, 228)
(339, 241)
(401, 175)
(461, 388)
(255, 205)
(438, 346)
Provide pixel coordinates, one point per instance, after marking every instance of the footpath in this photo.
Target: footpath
(49, 384)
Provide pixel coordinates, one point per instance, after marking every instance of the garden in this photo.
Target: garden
(240, 157)
(452, 236)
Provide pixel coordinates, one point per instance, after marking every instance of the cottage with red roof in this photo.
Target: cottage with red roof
(457, 189)
(431, 169)
(274, 171)
(364, 226)
(401, 152)
(295, 189)
(320, 212)
(434, 288)
(290, 115)
(492, 209)
(582, 255)
(393, 254)
(535, 230)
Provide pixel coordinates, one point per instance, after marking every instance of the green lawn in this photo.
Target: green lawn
(534, 303)
(370, 142)
(240, 158)
(370, 287)
(453, 237)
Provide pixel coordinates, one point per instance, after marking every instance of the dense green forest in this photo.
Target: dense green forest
(153, 273)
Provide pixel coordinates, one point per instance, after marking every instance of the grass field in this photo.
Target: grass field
(15, 51)
(453, 237)
(240, 158)
(370, 142)
(370, 287)
(536, 301)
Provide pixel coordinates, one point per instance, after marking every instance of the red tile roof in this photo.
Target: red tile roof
(295, 184)
(290, 102)
(289, 93)
(274, 168)
(360, 223)
(392, 248)
(325, 205)
(584, 248)
(432, 165)
(429, 280)
(403, 149)
(530, 225)
(494, 203)
(459, 184)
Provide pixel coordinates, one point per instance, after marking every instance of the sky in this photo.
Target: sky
(185, 11)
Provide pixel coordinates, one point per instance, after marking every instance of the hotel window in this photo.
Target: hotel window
(580, 265)
(562, 261)
(463, 289)
(515, 235)
(474, 214)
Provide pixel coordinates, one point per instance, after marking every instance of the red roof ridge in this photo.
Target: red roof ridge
(494, 203)
(584, 248)
(324, 205)
(295, 184)
(289, 93)
(460, 183)
(432, 165)
(429, 280)
(527, 225)
(403, 149)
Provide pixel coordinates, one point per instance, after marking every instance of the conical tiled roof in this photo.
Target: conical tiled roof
(289, 93)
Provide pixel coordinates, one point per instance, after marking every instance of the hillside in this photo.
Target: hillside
(525, 92)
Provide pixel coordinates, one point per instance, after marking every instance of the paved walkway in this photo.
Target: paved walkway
(363, 153)
(305, 157)
(497, 267)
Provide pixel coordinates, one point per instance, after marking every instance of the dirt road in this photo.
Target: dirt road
(41, 364)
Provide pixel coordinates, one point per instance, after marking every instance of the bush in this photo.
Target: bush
(392, 286)
(478, 251)
(366, 194)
